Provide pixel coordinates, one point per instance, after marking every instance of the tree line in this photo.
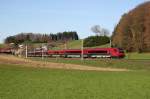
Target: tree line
(41, 38)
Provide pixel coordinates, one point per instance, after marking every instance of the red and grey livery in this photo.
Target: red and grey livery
(77, 53)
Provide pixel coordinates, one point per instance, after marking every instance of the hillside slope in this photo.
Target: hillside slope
(76, 44)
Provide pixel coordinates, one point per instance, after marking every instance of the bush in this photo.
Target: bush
(96, 41)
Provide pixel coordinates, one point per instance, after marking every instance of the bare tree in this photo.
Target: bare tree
(105, 32)
(96, 29)
(100, 31)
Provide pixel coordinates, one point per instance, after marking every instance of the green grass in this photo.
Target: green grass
(30, 83)
(2, 45)
(138, 56)
(112, 63)
(103, 46)
(76, 44)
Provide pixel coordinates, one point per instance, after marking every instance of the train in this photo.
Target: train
(78, 53)
(6, 50)
(74, 53)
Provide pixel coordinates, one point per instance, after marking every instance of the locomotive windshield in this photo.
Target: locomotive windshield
(121, 50)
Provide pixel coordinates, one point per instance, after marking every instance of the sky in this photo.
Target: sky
(52, 16)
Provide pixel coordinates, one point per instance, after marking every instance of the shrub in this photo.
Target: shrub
(96, 41)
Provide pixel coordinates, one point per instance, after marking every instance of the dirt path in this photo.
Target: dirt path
(7, 59)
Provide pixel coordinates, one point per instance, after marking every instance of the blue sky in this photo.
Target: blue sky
(46, 16)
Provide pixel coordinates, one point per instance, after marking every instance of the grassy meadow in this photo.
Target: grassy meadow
(138, 56)
(133, 64)
(18, 82)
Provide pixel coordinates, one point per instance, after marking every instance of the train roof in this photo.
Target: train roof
(86, 49)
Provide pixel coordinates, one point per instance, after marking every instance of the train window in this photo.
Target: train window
(56, 52)
(97, 51)
(73, 52)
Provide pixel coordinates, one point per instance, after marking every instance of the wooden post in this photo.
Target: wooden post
(82, 47)
(110, 43)
(42, 52)
(26, 51)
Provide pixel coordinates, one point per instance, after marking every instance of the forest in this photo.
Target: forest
(133, 30)
(41, 38)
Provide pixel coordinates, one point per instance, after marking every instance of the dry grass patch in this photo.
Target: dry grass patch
(8, 59)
